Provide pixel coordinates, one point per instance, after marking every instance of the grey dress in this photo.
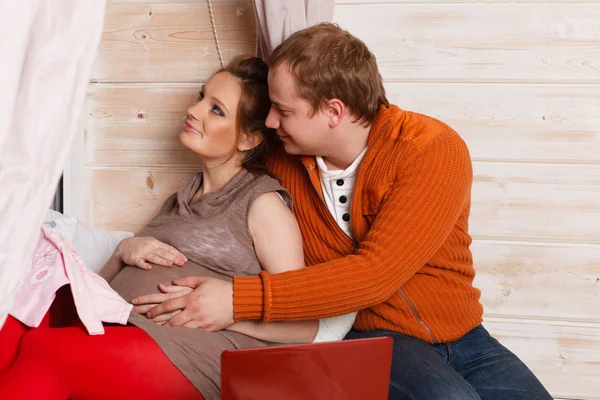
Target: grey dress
(212, 232)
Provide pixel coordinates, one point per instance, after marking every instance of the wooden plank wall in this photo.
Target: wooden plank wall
(520, 81)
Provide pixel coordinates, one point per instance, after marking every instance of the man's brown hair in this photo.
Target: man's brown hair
(328, 62)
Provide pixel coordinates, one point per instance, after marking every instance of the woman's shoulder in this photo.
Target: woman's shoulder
(268, 187)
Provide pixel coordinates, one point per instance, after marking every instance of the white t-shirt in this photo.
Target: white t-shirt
(338, 188)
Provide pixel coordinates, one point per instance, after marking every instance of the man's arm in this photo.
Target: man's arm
(413, 223)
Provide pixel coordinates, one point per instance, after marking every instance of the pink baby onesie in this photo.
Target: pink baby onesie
(55, 264)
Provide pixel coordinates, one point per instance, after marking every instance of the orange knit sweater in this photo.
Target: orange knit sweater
(410, 269)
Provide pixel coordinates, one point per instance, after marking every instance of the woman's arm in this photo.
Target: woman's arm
(112, 267)
(278, 245)
(278, 332)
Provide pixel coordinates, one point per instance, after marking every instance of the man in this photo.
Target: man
(382, 197)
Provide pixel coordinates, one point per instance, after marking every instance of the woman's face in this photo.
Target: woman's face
(211, 126)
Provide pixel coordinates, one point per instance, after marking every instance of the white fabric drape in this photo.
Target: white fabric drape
(47, 49)
(276, 20)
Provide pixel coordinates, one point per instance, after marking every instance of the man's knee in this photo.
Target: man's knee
(428, 390)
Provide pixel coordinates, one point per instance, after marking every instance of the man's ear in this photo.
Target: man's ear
(250, 141)
(336, 109)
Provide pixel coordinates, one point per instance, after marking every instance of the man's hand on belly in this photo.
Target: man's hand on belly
(209, 306)
(144, 303)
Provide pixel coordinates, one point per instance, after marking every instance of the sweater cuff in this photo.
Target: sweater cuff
(247, 298)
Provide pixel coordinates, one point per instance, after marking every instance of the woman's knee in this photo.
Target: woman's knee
(41, 344)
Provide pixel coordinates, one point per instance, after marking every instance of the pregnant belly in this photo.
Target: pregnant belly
(132, 282)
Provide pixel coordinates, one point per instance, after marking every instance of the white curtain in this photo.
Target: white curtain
(48, 49)
(276, 20)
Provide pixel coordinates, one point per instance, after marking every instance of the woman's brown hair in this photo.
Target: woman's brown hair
(253, 108)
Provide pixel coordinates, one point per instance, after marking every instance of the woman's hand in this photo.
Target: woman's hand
(145, 303)
(141, 251)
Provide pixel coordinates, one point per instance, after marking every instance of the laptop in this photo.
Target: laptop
(346, 370)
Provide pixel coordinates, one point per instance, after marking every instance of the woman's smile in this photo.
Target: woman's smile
(189, 128)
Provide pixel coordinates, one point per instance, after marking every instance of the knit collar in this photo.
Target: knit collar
(387, 122)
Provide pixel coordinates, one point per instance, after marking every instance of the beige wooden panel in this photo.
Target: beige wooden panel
(171, 1)
(430, 2)
(513, 121)
(480, 42)
(139, 124)
(553, 203)
(566, 358)
(372, 2)
(127, 200)
(538, 280)
(537, 202)
(171, 42)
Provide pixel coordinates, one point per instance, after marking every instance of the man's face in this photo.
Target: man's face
(301, 132)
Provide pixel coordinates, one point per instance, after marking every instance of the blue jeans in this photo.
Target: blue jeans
(476, 366)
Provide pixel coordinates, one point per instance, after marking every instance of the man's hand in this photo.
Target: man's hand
(209, 306)
(140, 251)
(146, 302)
